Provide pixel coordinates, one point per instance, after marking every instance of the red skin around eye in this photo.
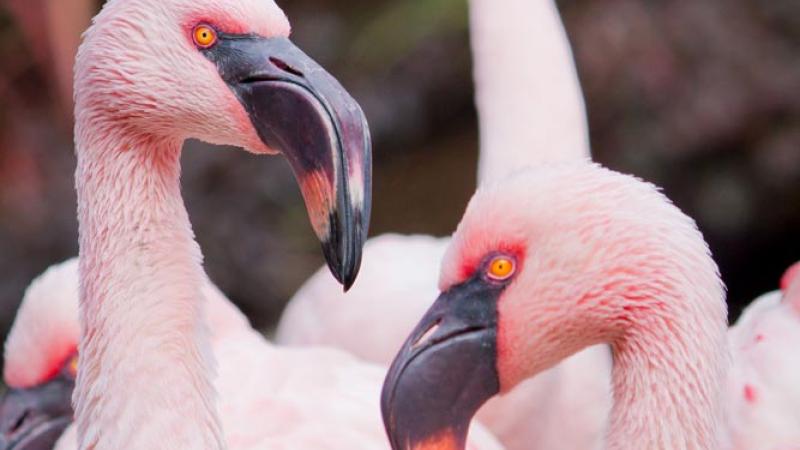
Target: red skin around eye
(219, 22)
(469, 266)
(57, 364)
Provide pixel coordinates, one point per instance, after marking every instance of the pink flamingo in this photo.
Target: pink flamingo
(150, 74)
(513, 292)
(269, 396)
(531, 111)
(40, 357)
(763, 410)
(551, 261)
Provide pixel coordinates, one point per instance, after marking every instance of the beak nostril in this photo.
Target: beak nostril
(20, 421)
(280, 64)
(426, 335)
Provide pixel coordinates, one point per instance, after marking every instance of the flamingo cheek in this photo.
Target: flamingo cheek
(512, 343)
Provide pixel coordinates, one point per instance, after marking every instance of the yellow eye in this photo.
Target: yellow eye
(72, 366)
(204, 36)
(501, 268)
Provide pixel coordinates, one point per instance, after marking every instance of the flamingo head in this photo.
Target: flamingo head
(40, 362)
(543, 264)
(41, 355)
(225, 72)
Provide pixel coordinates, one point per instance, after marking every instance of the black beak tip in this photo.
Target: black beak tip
(344, 273)
(353, 266)
(344, 243)
(349, 280)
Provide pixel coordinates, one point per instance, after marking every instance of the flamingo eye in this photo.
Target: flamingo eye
(72, 366)
(501, 268)
(204, 36)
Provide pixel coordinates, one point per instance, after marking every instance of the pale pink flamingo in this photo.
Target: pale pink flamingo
(531, 111)
(763, 410)
(270, 397)
(40, 355)
(150, 74)
(548, 262)
(38, 361)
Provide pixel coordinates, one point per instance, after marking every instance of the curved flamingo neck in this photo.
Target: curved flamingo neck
(528, 95)
(668, 374)
(146, 365)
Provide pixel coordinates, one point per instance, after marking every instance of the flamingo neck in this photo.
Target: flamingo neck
(668, 376)
(145, 377)
(528, 95)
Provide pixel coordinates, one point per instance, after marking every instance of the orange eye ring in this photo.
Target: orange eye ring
(501, 268)
(204, 36)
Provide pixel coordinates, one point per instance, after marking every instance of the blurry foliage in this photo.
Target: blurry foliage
(398, 27)
(702, 98)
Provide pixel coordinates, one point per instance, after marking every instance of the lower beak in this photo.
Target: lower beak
(444, 372)
(34, 419)
(301, 110)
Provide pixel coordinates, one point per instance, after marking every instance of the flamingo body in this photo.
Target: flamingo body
(373, 318)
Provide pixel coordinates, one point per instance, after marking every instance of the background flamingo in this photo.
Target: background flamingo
(763, 394)
(41, 355)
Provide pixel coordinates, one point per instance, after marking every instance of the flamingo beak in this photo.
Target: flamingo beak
(301, 110)
(445, 371)
(34, 418)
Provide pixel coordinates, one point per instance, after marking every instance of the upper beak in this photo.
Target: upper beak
(33, 419)
(444, 372)
(300, 109)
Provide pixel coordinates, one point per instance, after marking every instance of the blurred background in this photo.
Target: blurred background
(699, 97)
